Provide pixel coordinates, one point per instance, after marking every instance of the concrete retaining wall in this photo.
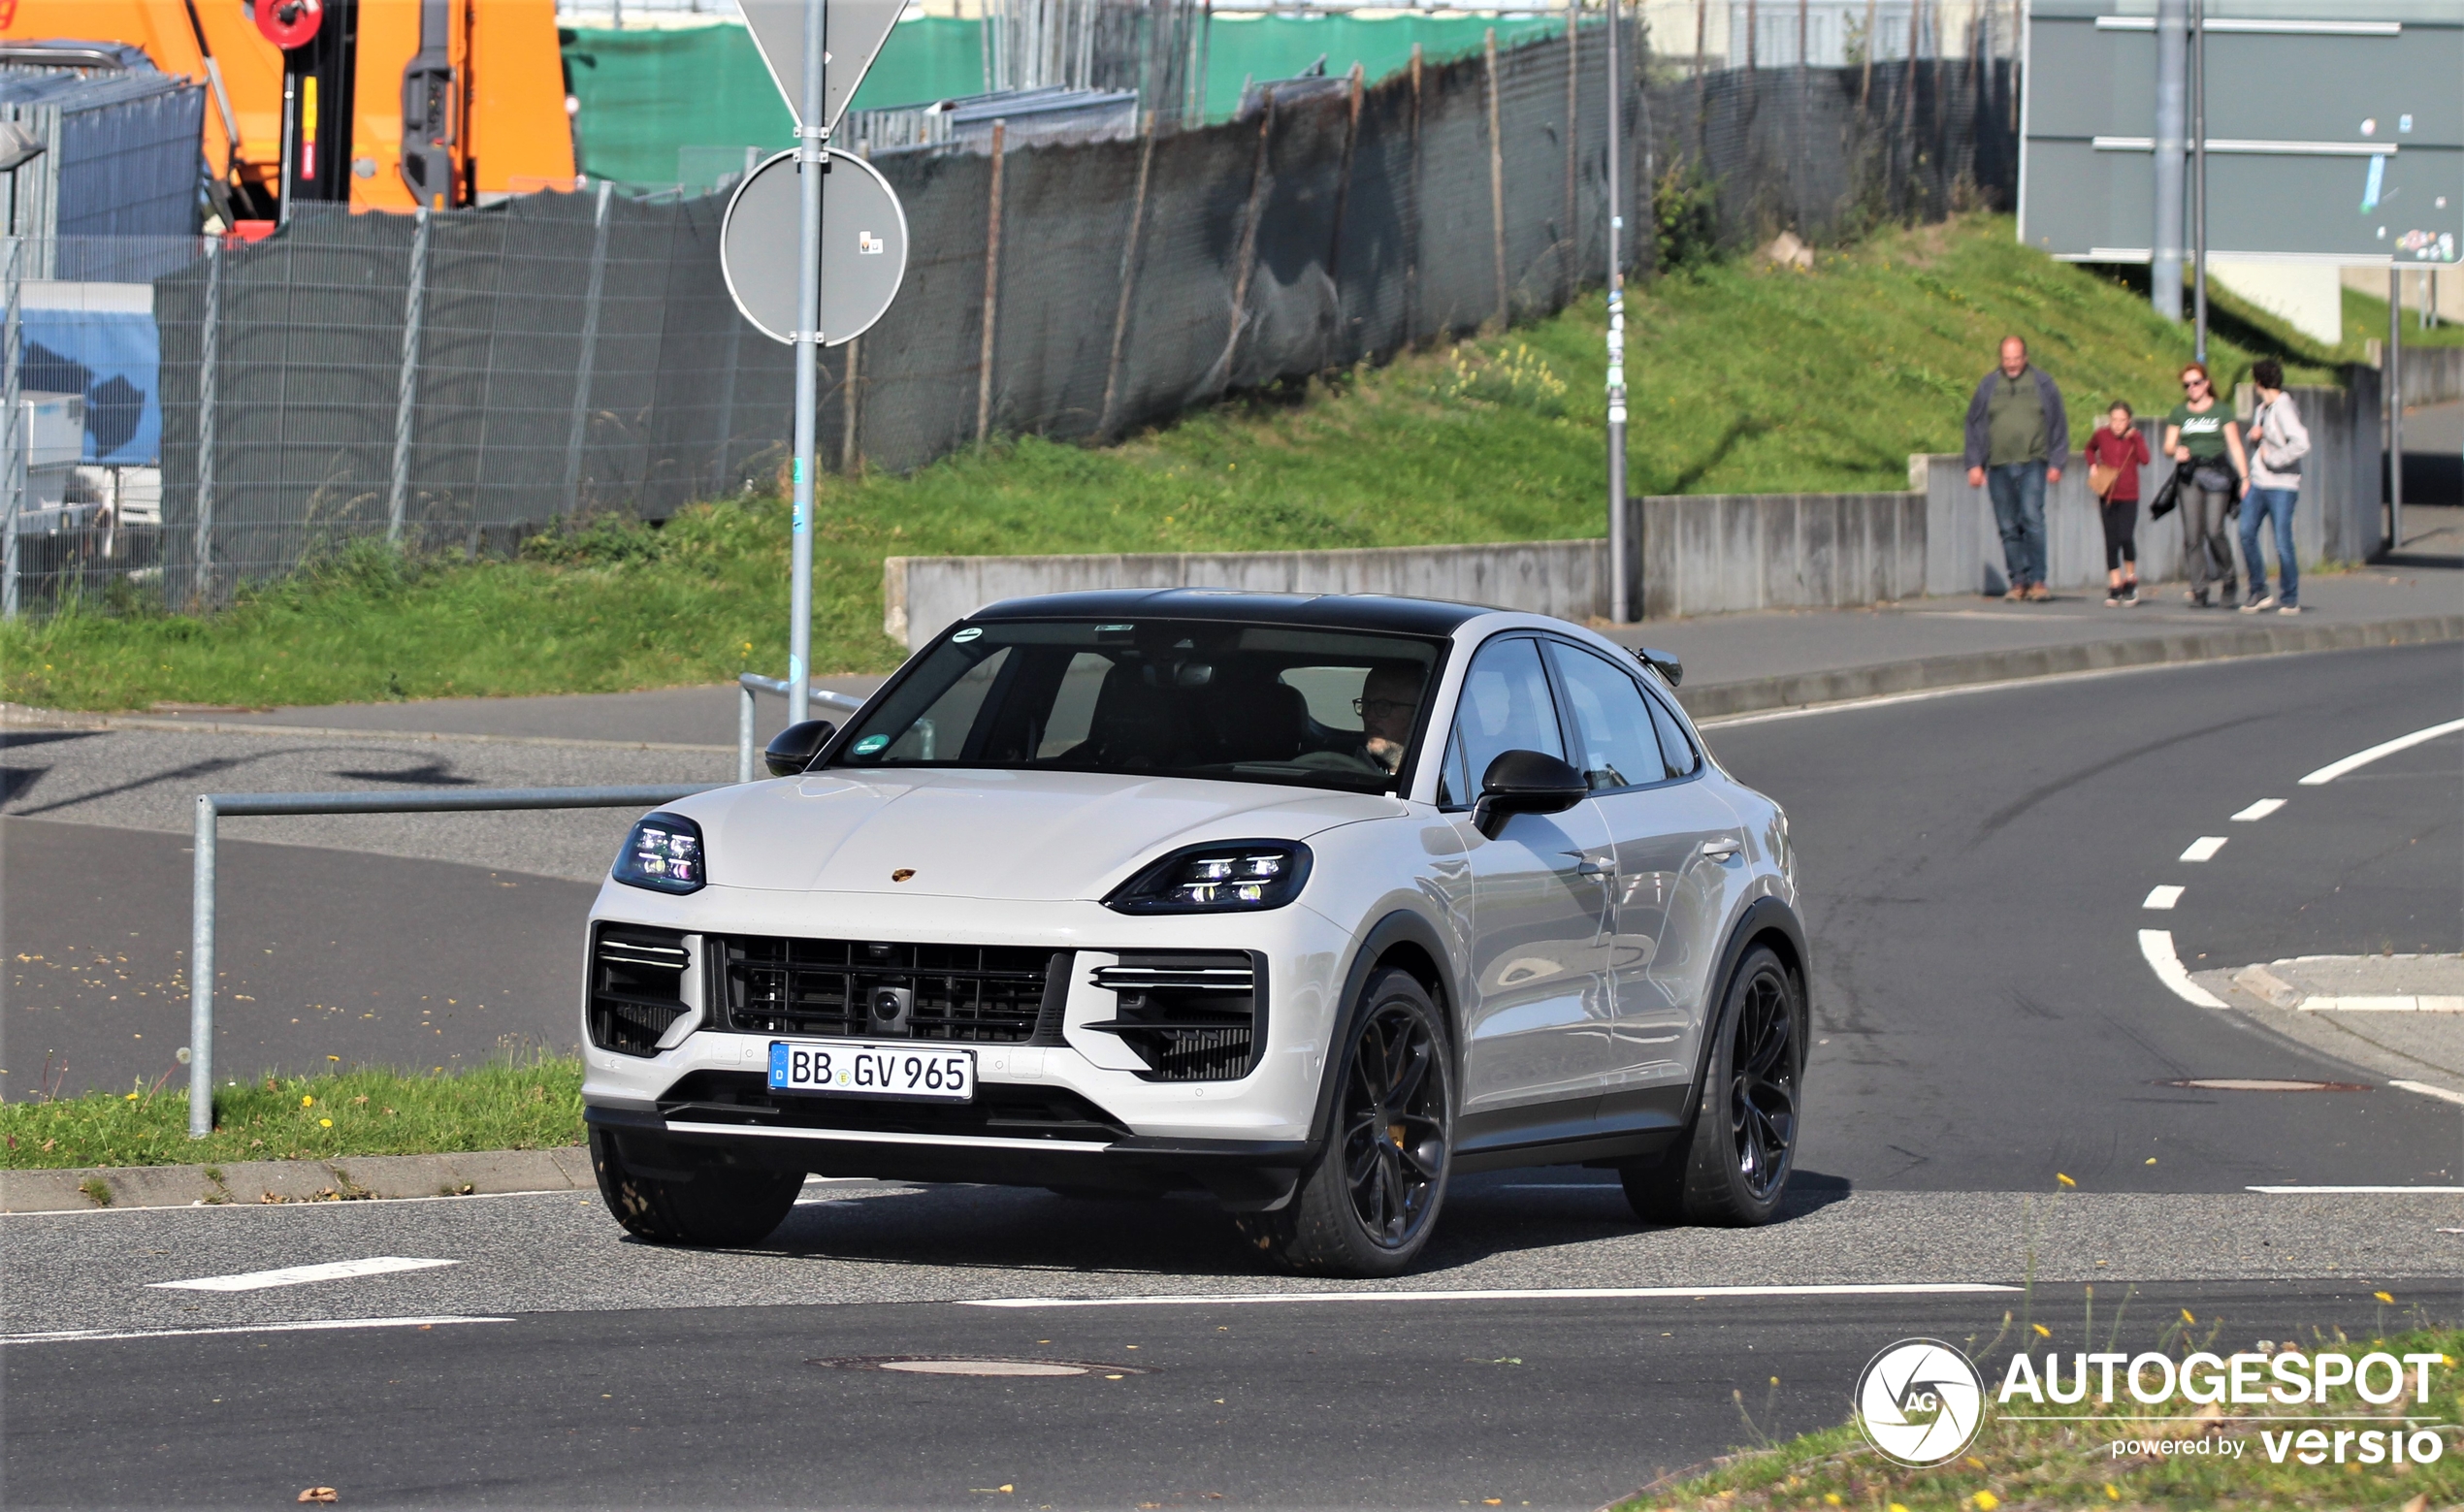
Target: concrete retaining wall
(1716, 553)
(923, 595)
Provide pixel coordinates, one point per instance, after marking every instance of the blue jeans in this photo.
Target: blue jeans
(2018, 488)
(2261, 504)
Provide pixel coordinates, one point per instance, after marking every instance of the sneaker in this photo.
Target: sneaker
(2113, 600)
(2038, 592)
(2289, 609)
(2198, 598)
(2016, 593)
(2131, 595)
(2262, 601)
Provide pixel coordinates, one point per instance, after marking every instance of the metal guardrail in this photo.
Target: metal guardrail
(212, 806)
(754, 683)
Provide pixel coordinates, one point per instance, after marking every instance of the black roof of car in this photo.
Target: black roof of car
(1320, 611)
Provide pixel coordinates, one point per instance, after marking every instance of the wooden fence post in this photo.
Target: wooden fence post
(1342, 204)
(992, 293)
(1128, 281)
(1246, 259)
(1411, 251)
(1574, 114)
(1497, 178)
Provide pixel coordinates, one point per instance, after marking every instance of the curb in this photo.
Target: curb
(358, 1178)
(1801, 690)
(58, 718)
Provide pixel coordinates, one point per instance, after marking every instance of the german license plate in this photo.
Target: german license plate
(933, 1073)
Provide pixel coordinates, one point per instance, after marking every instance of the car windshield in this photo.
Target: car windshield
(1180, 698)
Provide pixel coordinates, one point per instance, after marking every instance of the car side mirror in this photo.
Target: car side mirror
(1525, 782)
(1664, 663)
(791, 749)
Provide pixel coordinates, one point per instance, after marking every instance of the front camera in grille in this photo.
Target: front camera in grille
(1191, 1016)
(637, 978)
(979, 994)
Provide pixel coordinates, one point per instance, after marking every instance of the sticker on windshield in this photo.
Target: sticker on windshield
(969, 634)
(871, 744)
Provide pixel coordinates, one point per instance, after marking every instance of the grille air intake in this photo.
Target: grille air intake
(979, 994)
(1190, 1016)
(637, 978)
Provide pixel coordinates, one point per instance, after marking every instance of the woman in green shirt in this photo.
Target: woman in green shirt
(2202, 433)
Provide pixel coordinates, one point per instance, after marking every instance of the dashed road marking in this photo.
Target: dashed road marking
(2162, 897)
(1531, 1294)
(2157, 945)
(2204, 848)
(308, 1326)
(2443, 1094)
(2258, 811)
(2361, 758)
(301, 1275)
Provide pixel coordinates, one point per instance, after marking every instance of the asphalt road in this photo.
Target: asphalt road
(1976, 867)
(1358, 1404)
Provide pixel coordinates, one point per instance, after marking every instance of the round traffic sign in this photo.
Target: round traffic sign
(864, 247)
(289, 24)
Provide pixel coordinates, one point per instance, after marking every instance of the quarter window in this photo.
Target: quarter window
(1611, 725)
(1674, 749)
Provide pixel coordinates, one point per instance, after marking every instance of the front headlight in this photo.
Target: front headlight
(1237, 875)
(663, 854)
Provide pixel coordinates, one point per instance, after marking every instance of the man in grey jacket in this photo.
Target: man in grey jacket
(2018, 440)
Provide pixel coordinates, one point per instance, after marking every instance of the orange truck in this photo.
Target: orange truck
(380, 104)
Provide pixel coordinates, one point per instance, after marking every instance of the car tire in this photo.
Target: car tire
(717, 1207)
(1367, 1206)
(1731, 1166)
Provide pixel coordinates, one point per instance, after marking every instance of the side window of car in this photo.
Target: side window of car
(1613, 727)
(1506, 706)
(1674, 749)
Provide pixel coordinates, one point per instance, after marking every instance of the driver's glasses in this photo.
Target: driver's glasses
(1382, 706)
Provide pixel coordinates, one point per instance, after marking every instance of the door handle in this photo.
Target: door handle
(1719, 850)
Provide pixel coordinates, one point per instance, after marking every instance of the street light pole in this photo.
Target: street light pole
(1620, 604)
(812, 160)
(2198, 171)
(2172, 84)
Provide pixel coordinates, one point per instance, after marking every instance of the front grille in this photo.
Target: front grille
(637, 978)
(981, 994)
(1190, 1016)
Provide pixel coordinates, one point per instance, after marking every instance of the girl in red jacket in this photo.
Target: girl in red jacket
(2119, 446)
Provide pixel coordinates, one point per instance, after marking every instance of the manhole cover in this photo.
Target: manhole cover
(966, 1364)
(2262, 1084)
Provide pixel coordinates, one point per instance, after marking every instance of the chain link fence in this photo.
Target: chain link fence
(456, 379)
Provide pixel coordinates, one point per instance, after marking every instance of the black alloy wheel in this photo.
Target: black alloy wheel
(1367, 1206)
(1730, 1166)
(1763, 1059)
(1393, 1123)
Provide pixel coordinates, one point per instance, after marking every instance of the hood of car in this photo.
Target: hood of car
(1041, 836)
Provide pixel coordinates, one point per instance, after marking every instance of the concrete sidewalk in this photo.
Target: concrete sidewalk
(1734, 662)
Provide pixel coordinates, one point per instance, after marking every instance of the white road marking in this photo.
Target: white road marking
(1533, 1294)
(2157, 945)
(2443, 1094)
(2428, 1003)
(2258, 811)
(2360, 758)
(2204, 848)
(311, 1326)
(2162, 897)
(2358, 1191)
(301, 1275)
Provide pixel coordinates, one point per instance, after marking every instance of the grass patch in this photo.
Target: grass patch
(1747, 380)
(509, 1105)
(2016, 1463)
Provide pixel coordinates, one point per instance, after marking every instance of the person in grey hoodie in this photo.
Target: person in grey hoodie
(2018, 440)
(2279, 444)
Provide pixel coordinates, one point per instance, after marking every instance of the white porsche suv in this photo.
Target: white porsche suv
(1308, 903)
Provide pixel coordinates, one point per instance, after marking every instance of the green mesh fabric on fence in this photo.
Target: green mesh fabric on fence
(679, 105)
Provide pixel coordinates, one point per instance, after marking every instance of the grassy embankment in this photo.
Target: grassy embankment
(2016, 1464)
(1748, 379)
(506, 1105)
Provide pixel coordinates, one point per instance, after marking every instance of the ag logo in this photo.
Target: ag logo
(1920, 1402)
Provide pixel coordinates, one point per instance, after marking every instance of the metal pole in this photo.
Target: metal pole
(1497, 181)
(209, 362)
(2172, 128)
(201, 974)
(2198, 175)
(1129, 271)
(406, 389)
(2393, 390)
(1620, 605)
(744, 733)
(590, 352)
(812, 160)
(13, 432)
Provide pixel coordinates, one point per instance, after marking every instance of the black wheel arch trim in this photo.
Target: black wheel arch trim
(1764, 916)
(1402, 926)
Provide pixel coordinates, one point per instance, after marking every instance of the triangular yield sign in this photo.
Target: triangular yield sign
(856, 29)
